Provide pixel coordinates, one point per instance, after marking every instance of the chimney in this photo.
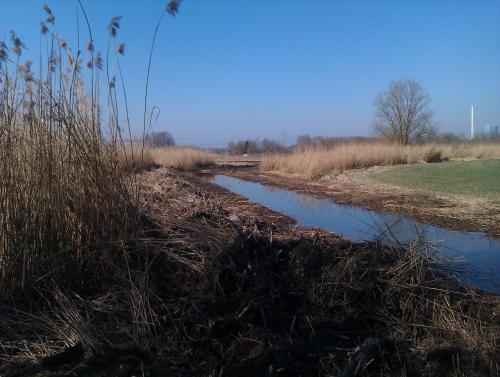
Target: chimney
(472, 122)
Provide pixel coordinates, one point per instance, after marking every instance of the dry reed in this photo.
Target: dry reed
(318, 162)
(185, 158)
(63, 194)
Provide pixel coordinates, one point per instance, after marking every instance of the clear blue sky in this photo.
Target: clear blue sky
(231, 69)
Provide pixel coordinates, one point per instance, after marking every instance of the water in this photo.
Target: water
(473, 252)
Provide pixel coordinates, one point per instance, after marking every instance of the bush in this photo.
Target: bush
(160, 139)
(433, 156)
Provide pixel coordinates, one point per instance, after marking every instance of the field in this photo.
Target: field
(314, 163)
(476, 179)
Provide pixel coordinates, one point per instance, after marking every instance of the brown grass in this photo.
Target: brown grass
(235, 285)
(318, 162)
(184, 158)
(63, 196)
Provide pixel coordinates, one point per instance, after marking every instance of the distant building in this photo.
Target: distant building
(490, 130)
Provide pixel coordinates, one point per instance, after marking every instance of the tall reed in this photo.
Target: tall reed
(64, 198)
(184, 158)
(318, 162)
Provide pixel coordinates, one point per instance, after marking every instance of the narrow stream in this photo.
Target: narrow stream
(475, 253)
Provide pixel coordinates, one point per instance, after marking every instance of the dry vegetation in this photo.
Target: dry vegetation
(63, 197)
(226, 293)
(318, 162)
(184, 158)
(135, 158)
(103, 272)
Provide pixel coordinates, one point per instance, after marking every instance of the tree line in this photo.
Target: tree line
(403, 115)
(256, 146)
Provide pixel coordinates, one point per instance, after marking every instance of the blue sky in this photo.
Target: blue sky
(232, 69)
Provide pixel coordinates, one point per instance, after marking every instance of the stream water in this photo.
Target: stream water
(475, 253)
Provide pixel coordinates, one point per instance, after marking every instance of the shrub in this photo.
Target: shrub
(433, 156)
(160, 139)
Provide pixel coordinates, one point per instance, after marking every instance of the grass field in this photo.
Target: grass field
(477, 178)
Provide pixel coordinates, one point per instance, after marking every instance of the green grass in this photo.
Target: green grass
(478, 178)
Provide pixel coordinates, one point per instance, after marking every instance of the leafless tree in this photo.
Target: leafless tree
(255, 146)
(160, 139)
(403, 113)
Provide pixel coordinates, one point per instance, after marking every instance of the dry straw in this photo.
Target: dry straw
(185, 158)
(66, 196)
(318, 162)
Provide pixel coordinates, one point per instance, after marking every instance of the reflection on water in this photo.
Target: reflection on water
(474, 252)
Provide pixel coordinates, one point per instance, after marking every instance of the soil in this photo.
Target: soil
(353, 188)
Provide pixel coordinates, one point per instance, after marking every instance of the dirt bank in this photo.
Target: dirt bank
(353, 188)
(220, 286)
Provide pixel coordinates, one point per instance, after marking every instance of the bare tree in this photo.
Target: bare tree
(160, 139)
(403, 113)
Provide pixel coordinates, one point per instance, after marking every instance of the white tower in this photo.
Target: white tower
(472, 122)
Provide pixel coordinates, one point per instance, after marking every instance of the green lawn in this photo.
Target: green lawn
(478, 178)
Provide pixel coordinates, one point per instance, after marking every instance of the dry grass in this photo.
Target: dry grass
(318, 162)
(63, 196)
(67, 200)
(69, 217)
(234, 286)
(133, 158)
(185, 158)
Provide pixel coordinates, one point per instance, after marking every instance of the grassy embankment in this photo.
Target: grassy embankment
(477, 179)
(315, 163)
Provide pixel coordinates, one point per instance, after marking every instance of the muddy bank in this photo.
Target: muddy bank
(221, 286)
(452, 213)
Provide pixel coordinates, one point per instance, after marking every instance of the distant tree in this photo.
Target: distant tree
(271, 146)
(242, 147)
(231, 148)
(303, 140)
(160, 139)
(449, 137)
(306, 141)
(403, 113)
(246, 147)
(255, 146)
(431, 135)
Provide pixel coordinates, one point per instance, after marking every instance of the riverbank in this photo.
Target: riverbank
(357, 188)
(223, 286)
